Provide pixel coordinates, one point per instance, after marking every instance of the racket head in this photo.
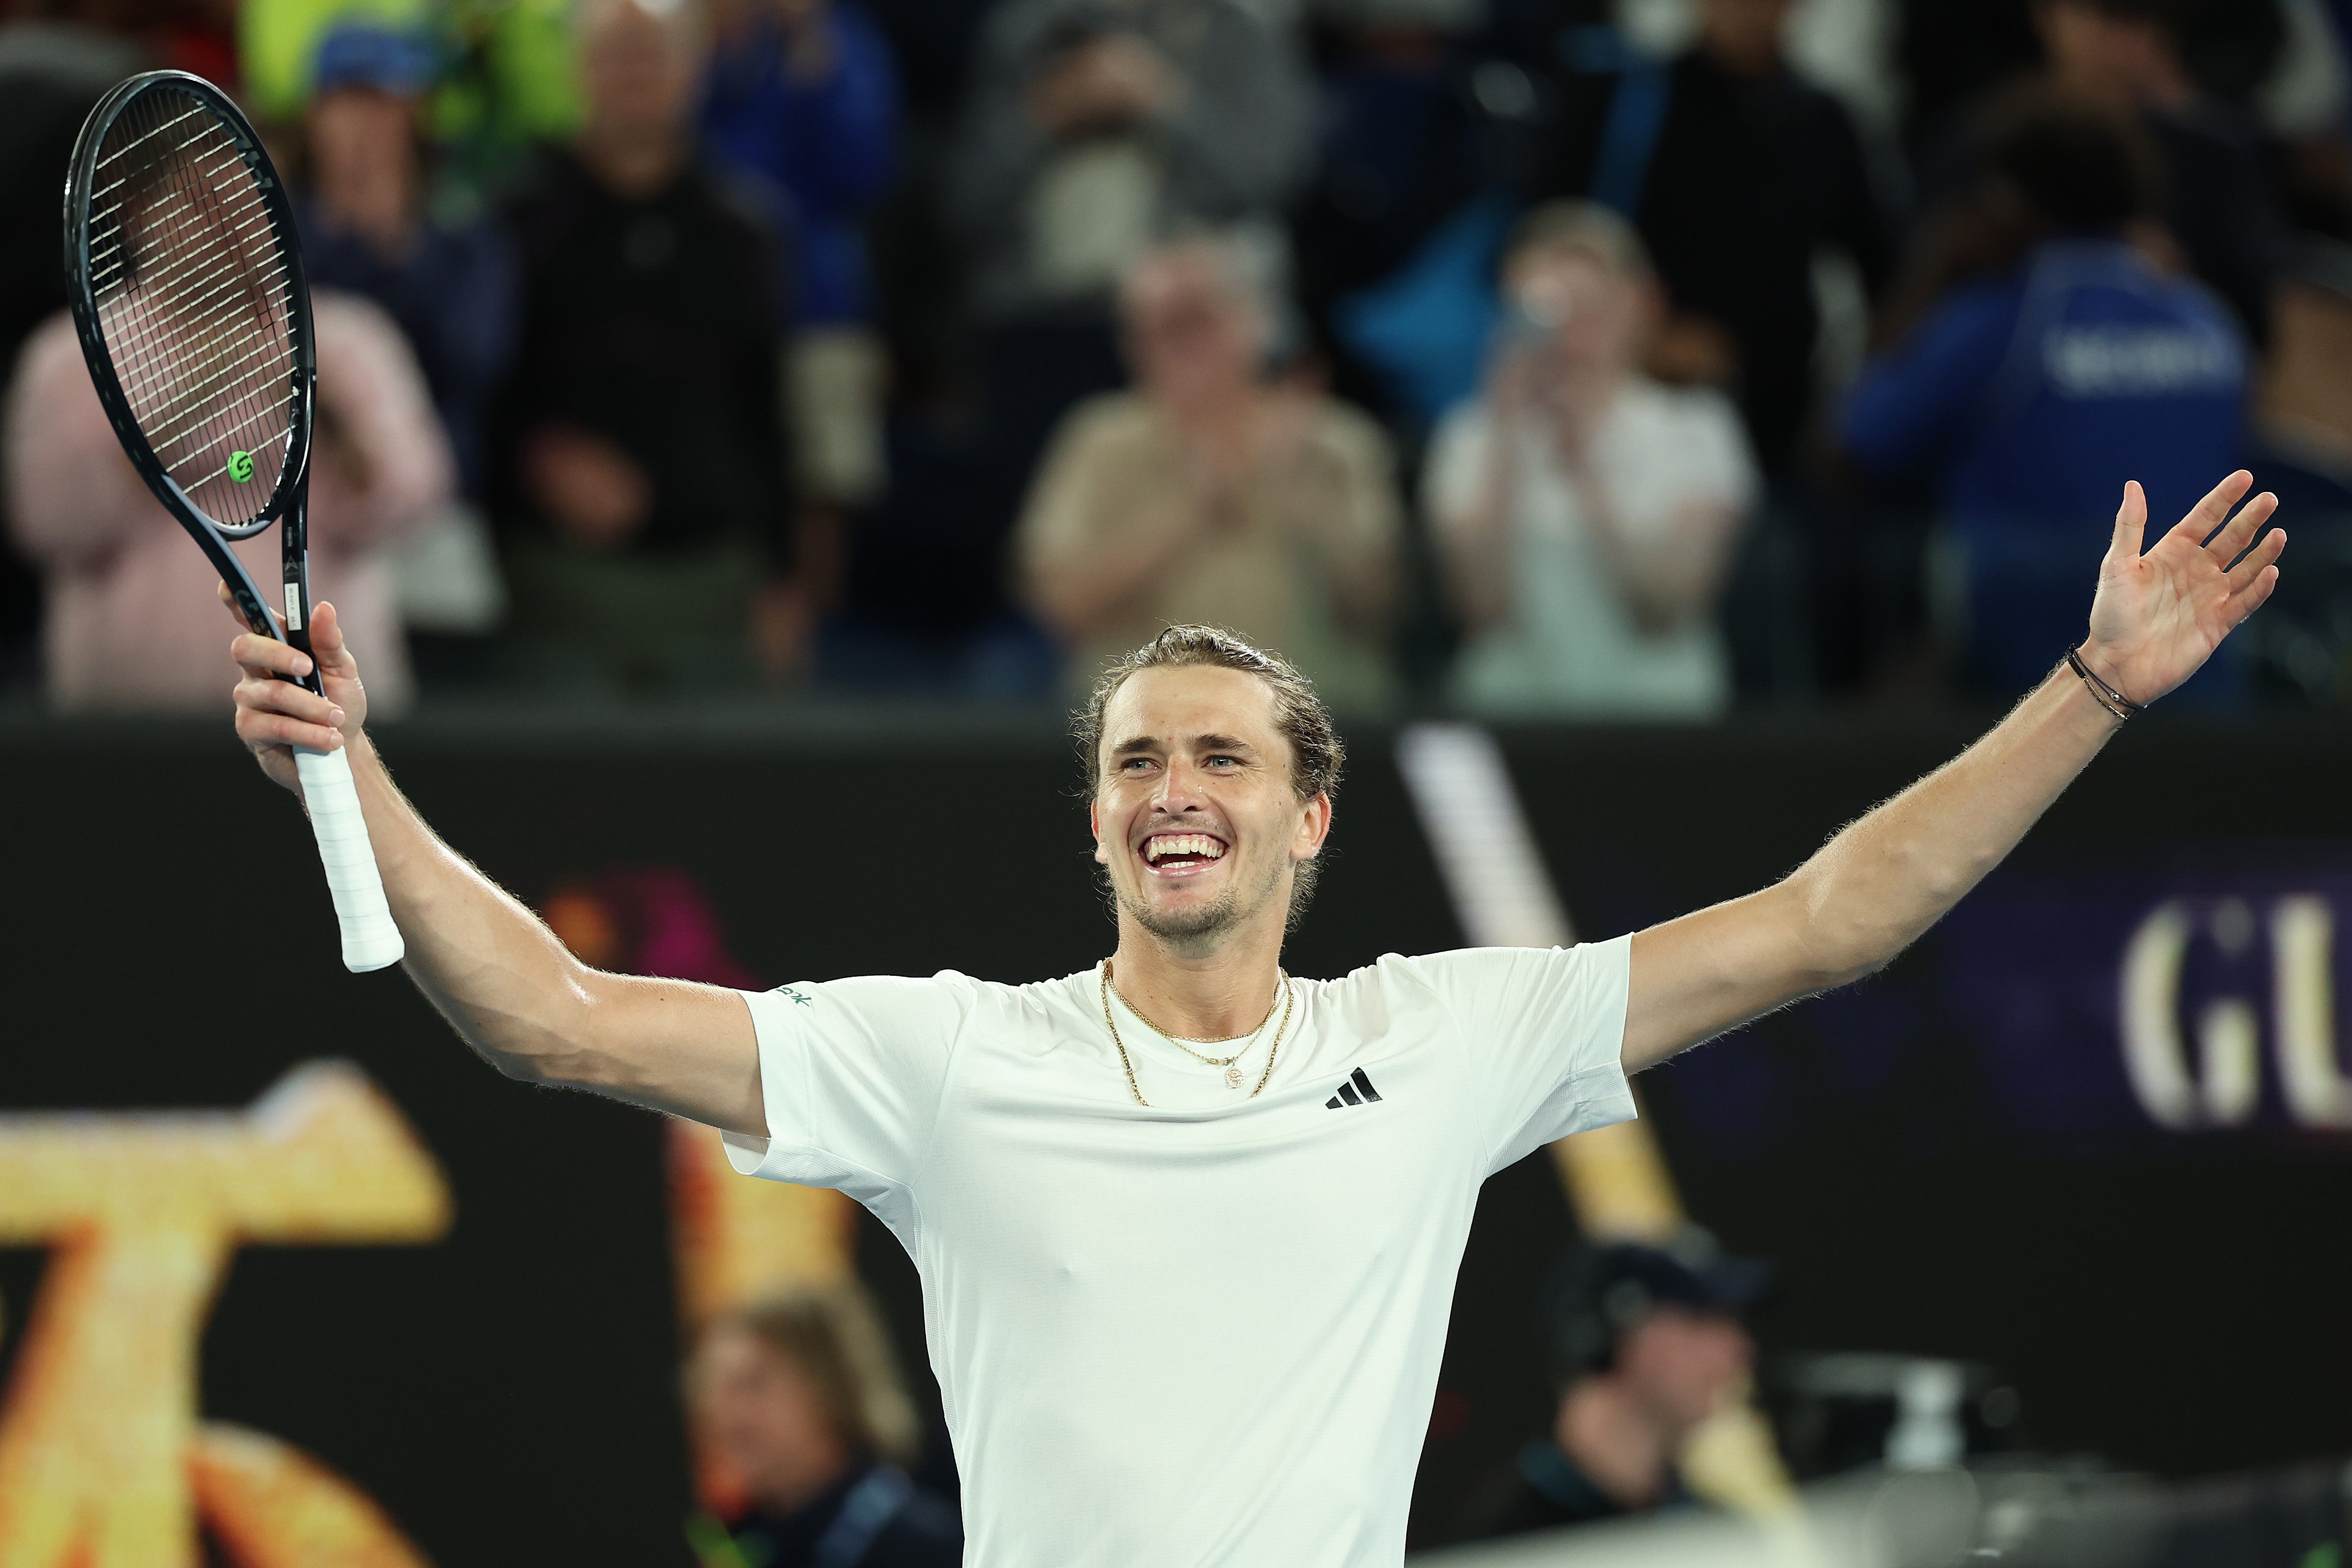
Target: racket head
(184, 275)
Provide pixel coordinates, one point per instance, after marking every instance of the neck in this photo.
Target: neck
(1218, 993)
(1581, 399)
(632, 165)
(788, 1493)
(1218, 412)
(1617, 1443)
(1744, 57)
(377, 210)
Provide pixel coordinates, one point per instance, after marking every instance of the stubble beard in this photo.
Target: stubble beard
(1201, 929)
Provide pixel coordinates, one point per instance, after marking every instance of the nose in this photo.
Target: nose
(1180, 788)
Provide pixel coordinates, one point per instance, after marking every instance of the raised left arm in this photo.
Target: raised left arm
(1875, 886)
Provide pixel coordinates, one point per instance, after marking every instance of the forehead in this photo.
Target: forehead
(733, 1348)
(1181, 280)
(1556, 265)
(1171, 706)
(610, 23)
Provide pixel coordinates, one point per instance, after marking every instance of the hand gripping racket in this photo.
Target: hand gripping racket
(187, 282)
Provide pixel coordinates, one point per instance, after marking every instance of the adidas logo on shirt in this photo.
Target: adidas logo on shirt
(1347, 1094)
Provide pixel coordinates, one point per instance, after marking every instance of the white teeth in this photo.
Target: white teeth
(1160, 847)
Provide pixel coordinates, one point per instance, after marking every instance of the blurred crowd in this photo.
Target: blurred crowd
(1525, 358)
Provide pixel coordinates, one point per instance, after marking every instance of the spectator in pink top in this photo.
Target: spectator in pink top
(130, 615)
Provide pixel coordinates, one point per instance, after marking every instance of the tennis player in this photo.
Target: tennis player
(1188, 1227)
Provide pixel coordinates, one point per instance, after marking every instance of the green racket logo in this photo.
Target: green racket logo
(240, 466)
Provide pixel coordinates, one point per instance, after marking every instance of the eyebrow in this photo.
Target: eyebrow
(1143, 745)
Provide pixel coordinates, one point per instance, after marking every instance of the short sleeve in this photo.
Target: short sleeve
(1544, 1030)
(851, 1073)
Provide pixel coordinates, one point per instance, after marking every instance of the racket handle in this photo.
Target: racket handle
(371, 940)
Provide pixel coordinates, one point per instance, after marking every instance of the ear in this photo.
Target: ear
(1094, 826)
(1314, 826)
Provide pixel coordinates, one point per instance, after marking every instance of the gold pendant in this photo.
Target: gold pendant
(1233, 1077)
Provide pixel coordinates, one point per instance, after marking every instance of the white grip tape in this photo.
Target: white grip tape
(370, 941)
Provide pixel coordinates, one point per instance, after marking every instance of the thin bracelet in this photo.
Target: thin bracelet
(2107, 696)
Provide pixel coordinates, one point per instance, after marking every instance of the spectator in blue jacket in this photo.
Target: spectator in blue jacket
(2055, 361)
(803, 98)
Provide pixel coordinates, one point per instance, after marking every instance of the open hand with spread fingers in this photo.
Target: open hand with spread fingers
(2159, 616)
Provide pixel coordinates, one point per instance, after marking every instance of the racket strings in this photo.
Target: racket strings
(195, 303)
(194, 293)
(202, 328)
(181, 414)
(206, 340)
(224, 364)
(191, 113)
(197, 354)
(175, 275)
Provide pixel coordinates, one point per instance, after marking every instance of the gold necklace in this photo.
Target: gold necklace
(1185, 1043)
(1232, 1073)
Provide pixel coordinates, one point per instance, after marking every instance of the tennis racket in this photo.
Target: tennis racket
(186, 279)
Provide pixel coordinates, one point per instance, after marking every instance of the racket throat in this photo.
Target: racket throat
(295, 560)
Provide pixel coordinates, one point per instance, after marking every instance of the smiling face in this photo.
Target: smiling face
(1195, 814)
(765, 1415)
(1191, 335)
(1598, 315)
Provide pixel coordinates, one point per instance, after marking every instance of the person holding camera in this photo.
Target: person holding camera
(1585, 514)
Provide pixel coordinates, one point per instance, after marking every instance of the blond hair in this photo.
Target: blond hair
(1586, 228)
(1317, 756)
(833, 1334)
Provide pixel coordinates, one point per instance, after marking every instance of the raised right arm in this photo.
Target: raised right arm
(512, 991)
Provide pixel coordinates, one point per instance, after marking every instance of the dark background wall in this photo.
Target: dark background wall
(1943, 1160)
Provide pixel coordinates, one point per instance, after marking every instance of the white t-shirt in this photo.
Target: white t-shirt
(1570, 645)
(1206, 1333)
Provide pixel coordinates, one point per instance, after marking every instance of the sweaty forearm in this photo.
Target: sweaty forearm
(511, 990)
(517, 995)
(1869, 893)
(1877, 885)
